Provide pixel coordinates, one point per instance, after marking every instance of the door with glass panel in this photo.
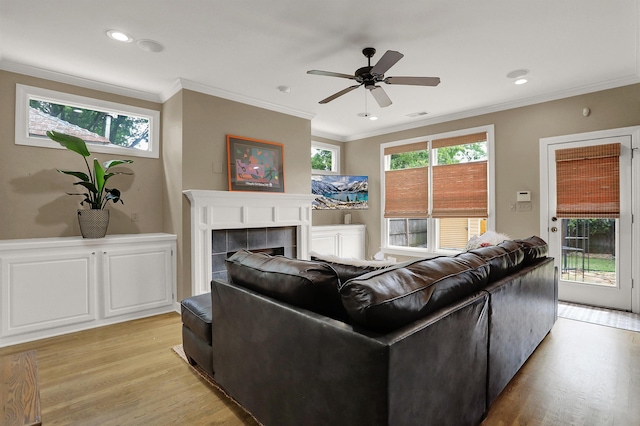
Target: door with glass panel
(588, 218)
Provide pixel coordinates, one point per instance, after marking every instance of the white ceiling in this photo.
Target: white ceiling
(245, 49)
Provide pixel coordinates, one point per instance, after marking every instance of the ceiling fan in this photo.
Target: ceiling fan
(370, 75)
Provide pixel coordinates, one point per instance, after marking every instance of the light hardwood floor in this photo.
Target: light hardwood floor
(127, 374)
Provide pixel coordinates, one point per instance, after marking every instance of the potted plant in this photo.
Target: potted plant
(94, 220)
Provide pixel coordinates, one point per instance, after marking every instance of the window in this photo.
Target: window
(437, 191)
(325, 158)
(107, 127)
(588, 206)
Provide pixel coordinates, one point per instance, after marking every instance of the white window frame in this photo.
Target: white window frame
(25, 93)
(432, 232)
(335, 159)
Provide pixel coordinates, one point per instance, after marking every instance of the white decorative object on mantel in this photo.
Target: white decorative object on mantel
(212, 210)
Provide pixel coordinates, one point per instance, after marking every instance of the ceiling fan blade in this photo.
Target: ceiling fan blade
(381, 96)
(413, 81)
(388, 60)
(331, 74)
(340, 93)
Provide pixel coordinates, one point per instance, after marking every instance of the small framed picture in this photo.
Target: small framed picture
(255, 165)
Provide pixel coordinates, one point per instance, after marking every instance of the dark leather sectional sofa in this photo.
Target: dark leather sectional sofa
(429, 342)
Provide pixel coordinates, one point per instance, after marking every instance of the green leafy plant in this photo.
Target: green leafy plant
(97, 195)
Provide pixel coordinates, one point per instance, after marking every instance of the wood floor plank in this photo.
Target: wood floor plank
(127, 374)
(581, 374)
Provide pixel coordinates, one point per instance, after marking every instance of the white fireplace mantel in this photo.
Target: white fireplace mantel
(211, 210)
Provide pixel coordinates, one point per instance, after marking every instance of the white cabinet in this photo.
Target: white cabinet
(339, 240)
(53, 286)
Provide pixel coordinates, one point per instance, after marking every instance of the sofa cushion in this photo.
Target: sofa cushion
(303, 283)
(503, 258)
(389, 298)
(533, 248)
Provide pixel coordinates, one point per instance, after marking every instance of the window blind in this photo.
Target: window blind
(407, 193)
(399, 149)
(460, 190)
(588, 182)
(460, 140)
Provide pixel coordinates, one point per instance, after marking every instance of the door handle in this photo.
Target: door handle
(554, 229)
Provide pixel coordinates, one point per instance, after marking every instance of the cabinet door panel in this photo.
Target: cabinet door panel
(137, 279)
(352, 245)
(46, 291)
(325, 244)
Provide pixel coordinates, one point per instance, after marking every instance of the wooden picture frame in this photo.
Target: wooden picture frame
(255, 165)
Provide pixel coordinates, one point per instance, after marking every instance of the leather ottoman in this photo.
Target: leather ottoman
(196, 331)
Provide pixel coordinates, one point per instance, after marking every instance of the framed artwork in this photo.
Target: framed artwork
(255, 165)
(340, 192)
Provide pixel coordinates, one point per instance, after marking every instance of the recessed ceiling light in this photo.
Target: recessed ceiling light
(119, 36)
(518, 73)
(373, 118)
(284, 89)
(150, 46)
(521, 81)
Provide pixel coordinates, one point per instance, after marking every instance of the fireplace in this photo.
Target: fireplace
(273, 241)
(221, 217)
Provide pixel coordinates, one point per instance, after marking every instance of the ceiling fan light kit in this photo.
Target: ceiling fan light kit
(369, 76)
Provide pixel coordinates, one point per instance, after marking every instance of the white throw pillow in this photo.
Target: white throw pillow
(351, 261)
(489, 238)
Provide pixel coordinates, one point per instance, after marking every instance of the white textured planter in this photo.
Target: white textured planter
(93, 223)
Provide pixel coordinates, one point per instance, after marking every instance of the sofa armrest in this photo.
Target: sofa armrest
(438, 366)
(290, 366)
(523, 311)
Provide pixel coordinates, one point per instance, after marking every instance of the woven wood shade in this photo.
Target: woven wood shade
(588, 182)
(407, 193)
(418, 146)
(460, 140)
(460, 190)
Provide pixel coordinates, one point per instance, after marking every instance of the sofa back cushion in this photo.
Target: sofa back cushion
(389, 298)
(533, 248)
(503, 258)
(303, 283)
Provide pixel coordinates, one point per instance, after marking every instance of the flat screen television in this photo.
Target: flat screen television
(340, 192)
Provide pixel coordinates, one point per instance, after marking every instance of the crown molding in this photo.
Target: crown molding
(77, 81)
(181, 83)
(561, 94)
(236, 97)
(327, 135)
(152, 97)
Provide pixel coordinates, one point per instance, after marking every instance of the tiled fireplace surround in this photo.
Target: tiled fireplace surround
(223, 222)
(225, 242)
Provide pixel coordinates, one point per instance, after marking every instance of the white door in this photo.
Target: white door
(592, 251)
